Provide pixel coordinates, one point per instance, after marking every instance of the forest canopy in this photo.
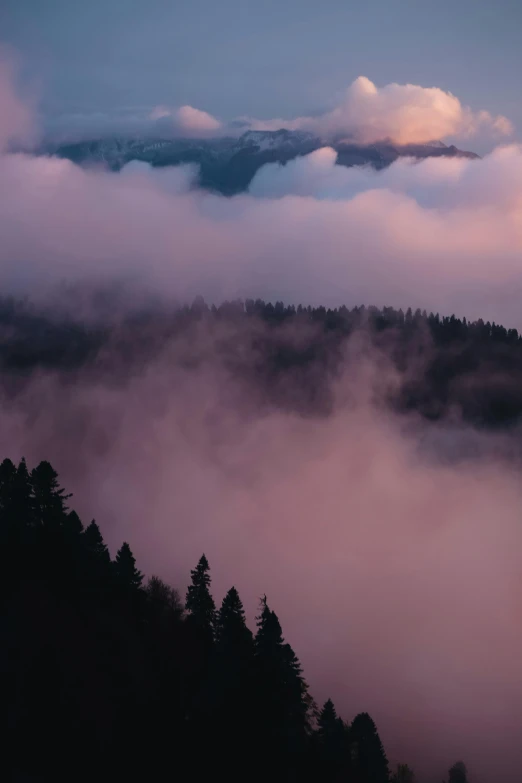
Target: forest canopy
(289, 354)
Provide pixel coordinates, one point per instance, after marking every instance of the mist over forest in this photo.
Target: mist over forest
(326, 457)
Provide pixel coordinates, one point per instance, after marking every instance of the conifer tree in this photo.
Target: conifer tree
(403, 774)
(234, 650)
(369, 758)
(232, 681)
(49, 498)
(232, 635)
(458, 773)
(7, 474)
(125, 568)
(283, 688)
(11, 522)
(93, 540)
(332, 735)
(199, 602)
(73, 523)
(328, 722)
(7, 480)
(21, 497)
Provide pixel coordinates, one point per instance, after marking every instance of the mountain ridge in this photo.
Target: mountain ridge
(228, 164)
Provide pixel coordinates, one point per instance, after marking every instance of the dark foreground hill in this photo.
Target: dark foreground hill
(107, 676)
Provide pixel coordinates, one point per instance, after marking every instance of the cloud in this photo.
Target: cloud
(160, 122)
(444, 182)
(186, 121)
(444, 235)
(194, 120)
(402, 113)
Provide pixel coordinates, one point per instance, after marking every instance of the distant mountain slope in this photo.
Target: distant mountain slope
(228, 165)
(287, 357)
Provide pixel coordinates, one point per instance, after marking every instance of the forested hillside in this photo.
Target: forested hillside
(109, 675)
(289, 354)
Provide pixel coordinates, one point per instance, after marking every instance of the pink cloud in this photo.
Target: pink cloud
(402, 113)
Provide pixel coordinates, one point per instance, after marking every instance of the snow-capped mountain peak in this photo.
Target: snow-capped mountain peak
(228, 164)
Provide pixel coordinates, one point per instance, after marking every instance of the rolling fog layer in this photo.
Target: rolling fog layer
(397, 577)
(443, 234)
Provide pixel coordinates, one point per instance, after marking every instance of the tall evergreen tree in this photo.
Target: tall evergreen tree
(458, 773)
(368, 756)
(284, 690)
(73, 524)
(403, 774)
(125, 568)
(232, 684)
(333, 745)
(8, 473)
(199, 602)
(49, 498)
(328, 722)
(232, 635)
(234, 659)
(20, 496)
(93, 541)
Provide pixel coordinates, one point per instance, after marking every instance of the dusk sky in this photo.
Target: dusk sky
(263, 59)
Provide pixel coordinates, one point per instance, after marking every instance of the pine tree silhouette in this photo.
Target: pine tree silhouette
(7, 474)
(199, 602)
(73, 523)
(458, 773)
(234, 659)
(233, 686)
(9, 513)
(403, 774)
(125, 568)
(332, 735)
(20, 499)
(283, 689)
(232, 635)
(93, 540)
(328, 722)
(369, 758)
(49, 498)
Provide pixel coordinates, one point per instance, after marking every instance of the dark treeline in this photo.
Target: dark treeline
(289, 353)
(108, 676)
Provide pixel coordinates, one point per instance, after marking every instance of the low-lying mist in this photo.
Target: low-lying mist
(393, 561)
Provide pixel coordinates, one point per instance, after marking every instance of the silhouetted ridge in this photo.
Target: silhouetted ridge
(105, 677)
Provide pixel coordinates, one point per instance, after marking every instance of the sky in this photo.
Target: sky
(263, 59)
